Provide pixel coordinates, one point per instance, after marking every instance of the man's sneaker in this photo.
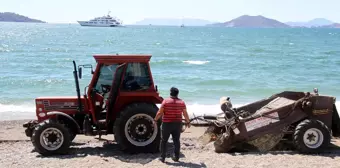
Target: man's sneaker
(162, 159)
(176, 159)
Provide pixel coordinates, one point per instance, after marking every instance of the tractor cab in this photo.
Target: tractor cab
(118, 80)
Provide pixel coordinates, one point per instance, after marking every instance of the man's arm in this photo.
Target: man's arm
(159, 113)
(186, 116)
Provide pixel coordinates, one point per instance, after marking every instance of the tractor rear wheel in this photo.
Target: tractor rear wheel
(135, 130)
(72, 135)
(311, 136)
(50, 137)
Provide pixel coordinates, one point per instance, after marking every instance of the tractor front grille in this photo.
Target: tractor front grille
(60, 106)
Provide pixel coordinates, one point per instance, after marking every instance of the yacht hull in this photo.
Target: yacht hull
(83, 23)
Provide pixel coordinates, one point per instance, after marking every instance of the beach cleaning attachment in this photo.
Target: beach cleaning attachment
(306, 120)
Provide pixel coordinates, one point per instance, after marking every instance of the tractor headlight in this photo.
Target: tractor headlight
(41, 114)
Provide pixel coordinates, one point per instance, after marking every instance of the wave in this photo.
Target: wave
(164, 62)
(195, 109)
(196, 62)
(201, 109)
(333, 52)
(24, 108)
(177, 61)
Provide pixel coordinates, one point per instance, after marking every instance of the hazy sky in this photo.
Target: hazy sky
(130, 11)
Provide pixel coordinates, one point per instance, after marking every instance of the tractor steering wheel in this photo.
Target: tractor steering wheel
(105, 88)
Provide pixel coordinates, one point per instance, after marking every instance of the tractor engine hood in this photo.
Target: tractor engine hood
(67, 104)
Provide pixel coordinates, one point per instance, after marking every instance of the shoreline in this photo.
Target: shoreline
(25, 112)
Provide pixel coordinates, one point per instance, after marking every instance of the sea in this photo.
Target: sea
(205, 63)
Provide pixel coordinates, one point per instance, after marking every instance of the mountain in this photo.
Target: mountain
(334, 25)
(13, 17)
(312, 23)
(252, 22)
(173, 22)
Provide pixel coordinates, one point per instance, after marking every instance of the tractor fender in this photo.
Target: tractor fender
(64, 115)
(135, 102)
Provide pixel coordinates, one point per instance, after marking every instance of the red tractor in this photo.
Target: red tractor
(120, 99)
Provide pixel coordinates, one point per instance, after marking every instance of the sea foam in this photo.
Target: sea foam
(18, 111)
(196, 62)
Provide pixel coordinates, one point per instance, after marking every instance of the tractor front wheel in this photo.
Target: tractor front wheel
(135, 130)
(311, 136)
(72, 135)
(50, 137)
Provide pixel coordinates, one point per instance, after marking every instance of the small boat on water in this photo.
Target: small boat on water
(182, 24)
(104, 21)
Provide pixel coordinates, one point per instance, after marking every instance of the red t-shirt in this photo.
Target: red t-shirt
(173, 109)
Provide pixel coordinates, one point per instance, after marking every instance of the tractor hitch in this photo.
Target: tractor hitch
(29, 127)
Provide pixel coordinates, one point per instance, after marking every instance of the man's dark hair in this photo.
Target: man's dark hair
(174, 92)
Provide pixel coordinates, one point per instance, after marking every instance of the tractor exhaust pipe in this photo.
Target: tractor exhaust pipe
(75, 74)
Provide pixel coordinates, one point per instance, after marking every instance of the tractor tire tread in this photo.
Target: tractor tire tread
(36, 138)
(300, 130)
(119, 134)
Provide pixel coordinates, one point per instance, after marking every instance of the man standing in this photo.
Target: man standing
(172, 110)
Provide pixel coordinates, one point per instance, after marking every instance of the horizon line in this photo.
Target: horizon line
(181, 18)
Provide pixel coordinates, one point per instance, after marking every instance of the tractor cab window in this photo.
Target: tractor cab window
(137, 77)
(106, 75)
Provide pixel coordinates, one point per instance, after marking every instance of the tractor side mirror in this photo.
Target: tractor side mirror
(80, 72)
(88, 66)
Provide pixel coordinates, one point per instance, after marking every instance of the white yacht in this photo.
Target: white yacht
(104, 21)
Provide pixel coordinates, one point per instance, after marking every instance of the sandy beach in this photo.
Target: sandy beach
(16, 150)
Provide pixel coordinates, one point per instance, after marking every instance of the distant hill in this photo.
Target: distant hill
(252, 22)
(173, 22)
(13, 17)
(312, 23)
(334, 25)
